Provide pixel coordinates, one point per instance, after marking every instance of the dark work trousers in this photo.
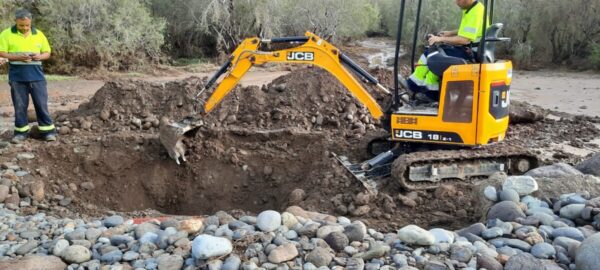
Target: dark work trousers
(455, 51)
(20, 92)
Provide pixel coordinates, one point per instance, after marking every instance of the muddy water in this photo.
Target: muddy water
(383, 55)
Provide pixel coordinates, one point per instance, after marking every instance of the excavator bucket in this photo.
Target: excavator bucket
(171, 135)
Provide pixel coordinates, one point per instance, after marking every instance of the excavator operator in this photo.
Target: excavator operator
(458, 43)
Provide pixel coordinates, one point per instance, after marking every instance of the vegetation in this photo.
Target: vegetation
(129, 34)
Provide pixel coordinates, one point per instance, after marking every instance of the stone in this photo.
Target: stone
(586, 257)
(543, 251)
(117, 240)
(490, 193)
(590, 166)
(461, 253)
(283, 253)
(376, 251)
(76, 254)
(553, 171)
(475, 229)
(170, 262)
(146, 227)
(492, 233)
(355, 231)
(130, 256)
(572, 211)
(299, 212)
(442, 236)
(4, 191)
(413, 234)
(355, 264)
(206, 246)
(34, 262)
(296, 196)
(509, 194)
(232, 262)
(522, 261)
(324, 231)
(26, 247)
(488, 263)
(92, 234)
(505, 211)
(60, 247)
(288, 220)
(319, 257)
(268, 221)
(37, 190)
(191, 226)
(87, 186)
(565, 242)
(337, 241)
(112, 256)
(113, 221)
(569, 232)
(522, 184)
(25, 156)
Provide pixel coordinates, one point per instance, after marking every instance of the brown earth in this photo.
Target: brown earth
(263, 148)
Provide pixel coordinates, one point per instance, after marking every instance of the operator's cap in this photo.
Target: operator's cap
(22, 14)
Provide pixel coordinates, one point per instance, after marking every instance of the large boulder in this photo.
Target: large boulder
(587, 257)
(554, 170)
(590, 166)
(34, 262)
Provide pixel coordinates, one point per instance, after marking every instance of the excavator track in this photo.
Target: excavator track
(428, 169)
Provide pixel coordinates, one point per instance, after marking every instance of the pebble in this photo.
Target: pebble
(413, 234)
(490, 193)
(76, 254)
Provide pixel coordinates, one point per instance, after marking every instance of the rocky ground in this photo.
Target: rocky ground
(107, 195)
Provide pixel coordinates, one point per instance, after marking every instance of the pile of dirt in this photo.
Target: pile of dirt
(262, 148)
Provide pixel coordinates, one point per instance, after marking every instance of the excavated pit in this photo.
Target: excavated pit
(262, 148)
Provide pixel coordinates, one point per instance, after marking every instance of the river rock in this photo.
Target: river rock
(170, 262)
(522, 184)
(572, 211)
(590, 166)
(587, 257)
(413, 234)
(206, 246)
(569, 232)
(442, 236)
(509, 194)
(283, 253)
(522, 261)
(113, 221)
(268, 221)
(554, 171)
(505, 211)
(543, 251)
(76, 254)
(34, 262)
(319, 257)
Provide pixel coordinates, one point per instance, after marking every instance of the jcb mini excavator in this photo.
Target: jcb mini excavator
(428, 145)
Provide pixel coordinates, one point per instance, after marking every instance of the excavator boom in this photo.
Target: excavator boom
(312, 51)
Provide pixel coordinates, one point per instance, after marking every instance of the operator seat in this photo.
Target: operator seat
(438, 61)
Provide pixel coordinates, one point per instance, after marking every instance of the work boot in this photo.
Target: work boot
(50, 137)
(18, 138)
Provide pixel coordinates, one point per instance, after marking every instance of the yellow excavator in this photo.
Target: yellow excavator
(454, 140)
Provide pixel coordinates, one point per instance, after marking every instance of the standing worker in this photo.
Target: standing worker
(26, 47)
(456, 43)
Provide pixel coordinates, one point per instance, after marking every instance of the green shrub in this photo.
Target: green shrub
(107, 34)
(595, 55)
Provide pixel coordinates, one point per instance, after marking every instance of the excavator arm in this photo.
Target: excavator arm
(313, 51)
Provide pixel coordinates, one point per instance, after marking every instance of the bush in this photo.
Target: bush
(198, 28)
(109, 34)
(595, 55)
